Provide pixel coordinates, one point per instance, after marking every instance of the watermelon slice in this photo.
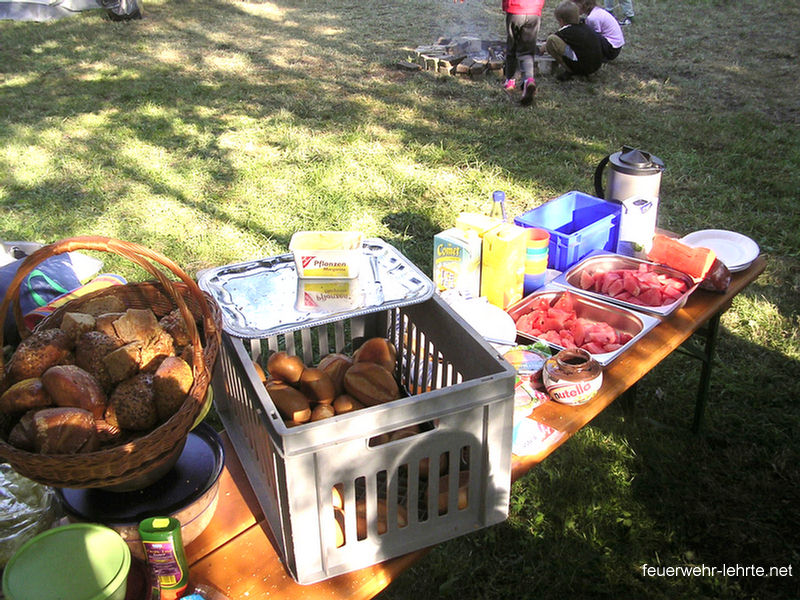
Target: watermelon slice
(695, 262)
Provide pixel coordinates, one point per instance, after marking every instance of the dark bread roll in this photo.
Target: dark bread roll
(69, 385)
(171, 382)
(174, 325)
(90, 351)
(60, 430)
(133, 404)
(24, 396)
(38, 352)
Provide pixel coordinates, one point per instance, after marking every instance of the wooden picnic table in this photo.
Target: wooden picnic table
(235, 554)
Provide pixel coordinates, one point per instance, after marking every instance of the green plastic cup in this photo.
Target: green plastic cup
(83, 561)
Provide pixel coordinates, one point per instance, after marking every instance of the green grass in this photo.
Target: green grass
(211, 130)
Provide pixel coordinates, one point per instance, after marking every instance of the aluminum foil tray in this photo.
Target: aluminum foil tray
(571, 278)
(623, 320)
(265, 297)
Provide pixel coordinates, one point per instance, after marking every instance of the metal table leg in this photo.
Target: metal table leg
(707, 358)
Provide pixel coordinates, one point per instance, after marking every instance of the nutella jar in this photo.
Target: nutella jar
(572, 376)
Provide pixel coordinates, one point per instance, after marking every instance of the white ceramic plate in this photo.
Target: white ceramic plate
(737, 251)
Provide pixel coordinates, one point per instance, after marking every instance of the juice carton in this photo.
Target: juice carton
(457, 261)
(503, 264)
(477, 222)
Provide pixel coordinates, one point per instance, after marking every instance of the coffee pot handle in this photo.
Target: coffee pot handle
(598, 177)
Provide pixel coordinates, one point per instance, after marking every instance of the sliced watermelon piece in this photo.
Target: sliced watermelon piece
(648, 278)
(587, 281)
(616, 288)
(551, 337)
(671, 293)
(565, 302)
(631, 283)
(566, 339)
(602, 333)
(608, 279)
(599, 276)
(624, 296)
(695, 262)
(593, 348)
(651, 297)
(578, 331)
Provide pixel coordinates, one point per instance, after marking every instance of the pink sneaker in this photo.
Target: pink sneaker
(528, 92)
(510, 84)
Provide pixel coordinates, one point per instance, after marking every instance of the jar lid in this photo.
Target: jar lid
(93, 563)
(633, 161)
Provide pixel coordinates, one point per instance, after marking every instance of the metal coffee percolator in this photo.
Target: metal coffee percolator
(634, 180)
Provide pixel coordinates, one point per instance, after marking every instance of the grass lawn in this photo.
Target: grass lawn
(211, 130)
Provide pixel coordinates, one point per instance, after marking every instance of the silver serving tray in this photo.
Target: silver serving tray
(265, 297)
(570, 279)
(623, 320)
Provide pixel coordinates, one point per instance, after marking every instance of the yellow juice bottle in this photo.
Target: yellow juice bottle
(503, 264)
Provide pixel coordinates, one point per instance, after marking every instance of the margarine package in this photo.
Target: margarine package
(457, 261)
(327, 254)
(327, 295)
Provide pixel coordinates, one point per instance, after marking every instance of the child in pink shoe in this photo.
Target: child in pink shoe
(523, 18)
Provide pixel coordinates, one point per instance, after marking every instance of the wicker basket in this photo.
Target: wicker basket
(114, 466)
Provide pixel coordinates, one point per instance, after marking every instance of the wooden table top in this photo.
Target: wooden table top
(235, 554)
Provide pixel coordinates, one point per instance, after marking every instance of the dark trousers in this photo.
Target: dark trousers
(609, 52)
(521, 34)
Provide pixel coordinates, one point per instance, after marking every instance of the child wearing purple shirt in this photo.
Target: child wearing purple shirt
(604, 23)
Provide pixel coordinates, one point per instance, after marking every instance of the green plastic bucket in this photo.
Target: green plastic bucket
(83, 561)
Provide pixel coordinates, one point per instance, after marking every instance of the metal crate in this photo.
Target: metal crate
(458, 391)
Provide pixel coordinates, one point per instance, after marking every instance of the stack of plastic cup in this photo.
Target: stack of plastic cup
(536, 259)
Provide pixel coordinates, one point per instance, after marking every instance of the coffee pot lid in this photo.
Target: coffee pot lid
(636, 162)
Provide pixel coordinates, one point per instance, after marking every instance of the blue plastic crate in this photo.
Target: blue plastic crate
(577, 223)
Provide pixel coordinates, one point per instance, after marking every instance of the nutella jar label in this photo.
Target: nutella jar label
(572, 376)
(568, 392)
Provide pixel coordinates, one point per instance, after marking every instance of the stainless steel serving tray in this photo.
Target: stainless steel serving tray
(634, 323)
(265, 297)
(570, 279)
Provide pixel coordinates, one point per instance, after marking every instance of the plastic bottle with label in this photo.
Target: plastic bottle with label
(163, 549)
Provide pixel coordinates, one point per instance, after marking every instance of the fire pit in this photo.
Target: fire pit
(468, 56)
